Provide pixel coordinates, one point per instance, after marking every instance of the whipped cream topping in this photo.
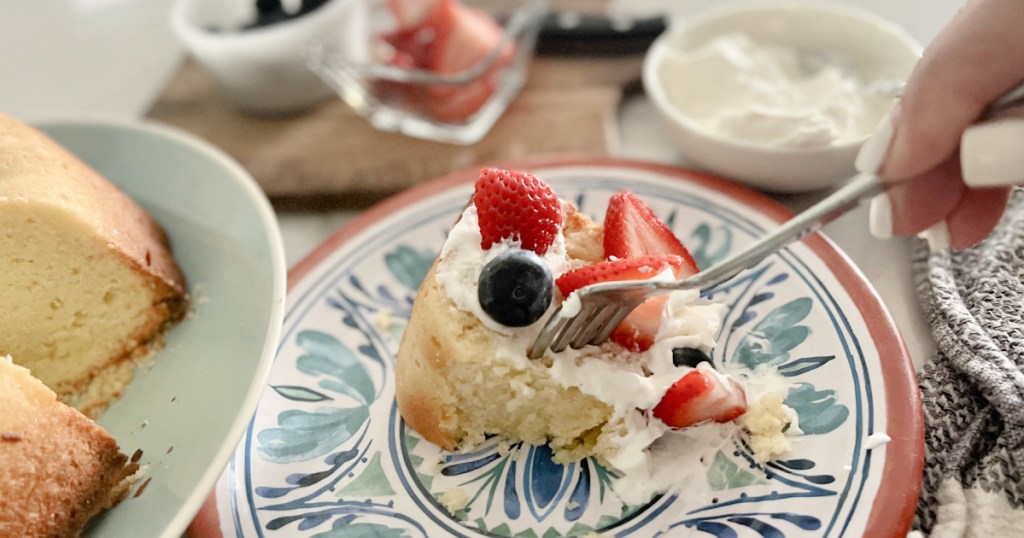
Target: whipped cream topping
(876, 440)
(737, 88)
(623, 380)
(630, 383)
(462, 259)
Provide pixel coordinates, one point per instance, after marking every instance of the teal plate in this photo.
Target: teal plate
(327, 454)
(188, 410)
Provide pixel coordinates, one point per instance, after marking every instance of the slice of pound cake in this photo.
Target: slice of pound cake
(516, 253)
(86, 275)
(57, 467)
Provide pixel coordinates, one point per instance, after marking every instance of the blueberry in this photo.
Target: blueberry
(689, 356)
(270, 12)
(515, 288)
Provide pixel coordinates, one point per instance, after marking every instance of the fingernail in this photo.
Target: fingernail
(937, 236)
(880, 217)
(872, 153)
(990, 153)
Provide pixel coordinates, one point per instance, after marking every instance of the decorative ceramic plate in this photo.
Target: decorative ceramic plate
(188, 410)
(327, 454)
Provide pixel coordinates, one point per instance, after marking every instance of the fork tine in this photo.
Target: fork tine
(577, 325)
(593, 324)
(613, 321)
(551, 329)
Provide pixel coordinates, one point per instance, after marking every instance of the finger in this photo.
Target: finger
(973, 60)
(974, 217)
(926, 199)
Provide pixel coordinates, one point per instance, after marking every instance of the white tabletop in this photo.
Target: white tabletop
(75, 58)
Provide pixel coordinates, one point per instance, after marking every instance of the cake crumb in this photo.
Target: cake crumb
(383, 319)
(437, 463)
(142, 487)
(136, 456)
(767, 421)
(198, 295)
(10, 437)
(454, 499)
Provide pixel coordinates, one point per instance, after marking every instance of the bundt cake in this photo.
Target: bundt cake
(88, 284)
(86, 275)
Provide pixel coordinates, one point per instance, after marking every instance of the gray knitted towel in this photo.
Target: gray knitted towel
(973, 390)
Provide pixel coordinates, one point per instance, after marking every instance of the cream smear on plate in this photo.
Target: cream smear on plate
(736, 88)
(647, 455)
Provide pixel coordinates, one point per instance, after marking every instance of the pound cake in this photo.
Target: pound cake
(57, 467)
(87, 284)
(516, 253)
(87, 279)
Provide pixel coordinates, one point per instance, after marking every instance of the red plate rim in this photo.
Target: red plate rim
(892, 510)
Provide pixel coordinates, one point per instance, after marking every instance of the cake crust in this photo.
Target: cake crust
(422, 390)
(57, 468)
(34, 167)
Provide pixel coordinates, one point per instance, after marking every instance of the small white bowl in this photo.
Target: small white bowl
(877, 48)
(263, 70)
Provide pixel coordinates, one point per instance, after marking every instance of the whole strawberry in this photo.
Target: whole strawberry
(518, 206)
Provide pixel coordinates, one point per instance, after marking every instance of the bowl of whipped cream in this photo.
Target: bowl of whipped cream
(777, 95)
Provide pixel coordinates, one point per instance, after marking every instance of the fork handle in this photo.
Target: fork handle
(862, 187)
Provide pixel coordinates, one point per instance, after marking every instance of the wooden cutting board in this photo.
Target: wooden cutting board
(329, 156)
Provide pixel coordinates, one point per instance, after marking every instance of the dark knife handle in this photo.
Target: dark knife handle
(567, 33)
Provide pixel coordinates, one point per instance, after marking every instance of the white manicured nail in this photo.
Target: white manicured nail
(880, 217)
(990, 153)
(872, 153)
(937, 236)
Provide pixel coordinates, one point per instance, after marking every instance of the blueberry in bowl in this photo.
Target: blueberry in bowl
(270, 12)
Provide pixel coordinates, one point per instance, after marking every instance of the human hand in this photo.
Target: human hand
(976, 58)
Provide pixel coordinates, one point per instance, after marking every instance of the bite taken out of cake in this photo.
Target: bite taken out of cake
(87, 279)
(515, 254)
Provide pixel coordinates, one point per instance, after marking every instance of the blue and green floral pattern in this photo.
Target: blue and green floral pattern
(327, 454)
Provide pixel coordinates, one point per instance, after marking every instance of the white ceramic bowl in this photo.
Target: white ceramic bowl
(878, 49)
(263, 70)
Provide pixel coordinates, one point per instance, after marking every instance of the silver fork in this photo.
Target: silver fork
(603, 306)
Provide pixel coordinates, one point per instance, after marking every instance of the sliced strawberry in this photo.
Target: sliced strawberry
(420, 22)
(412, 46)
(411, 14)
(461, 45)
(632, 229)
(641, 268)
(701, 396)
(516, 205)
(637, 331)
(446, 37)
